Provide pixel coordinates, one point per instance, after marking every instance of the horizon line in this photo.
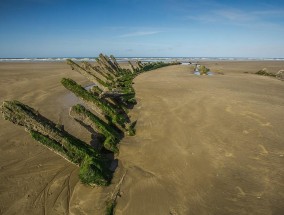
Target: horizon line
(138, 57)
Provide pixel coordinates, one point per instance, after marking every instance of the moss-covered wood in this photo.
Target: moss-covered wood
(112, 94)
(265, 72)
(204, 70)
(155, 65)
(111, 135)
(112, 113)
(103, 85)
(93, 164)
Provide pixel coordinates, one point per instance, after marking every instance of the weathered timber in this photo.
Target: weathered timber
(110, 97)
(134, 70)
(96, 89)
(111, 64)
(86, 66)
(92, 77)
(103, 73)
(280, 75)
(112, 136)
(154, 65)
(108, 64)
(116, 94)
(107, 109)
(97, 71)
(140, 65)
(105, 68)
(118, 103)
(93, 165)
(115, 62)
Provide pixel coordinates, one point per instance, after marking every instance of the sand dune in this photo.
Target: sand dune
(204, 144)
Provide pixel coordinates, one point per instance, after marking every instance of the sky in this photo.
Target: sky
(141, 28)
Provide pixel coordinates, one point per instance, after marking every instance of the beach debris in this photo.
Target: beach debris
(280, 75)
(111, 203)
(110, 97)
(265, 72)
(201, 70)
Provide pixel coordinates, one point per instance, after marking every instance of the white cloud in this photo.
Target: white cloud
(273, 13)
(251, 19)
(139, 33)
(235, 15)
(202, 18)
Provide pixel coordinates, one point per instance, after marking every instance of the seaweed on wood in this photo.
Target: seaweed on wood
(91, 162)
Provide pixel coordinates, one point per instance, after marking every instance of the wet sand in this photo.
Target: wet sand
(204, 144)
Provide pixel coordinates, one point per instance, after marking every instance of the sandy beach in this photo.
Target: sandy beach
(204, 144)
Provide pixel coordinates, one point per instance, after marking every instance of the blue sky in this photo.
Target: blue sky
(211, 28)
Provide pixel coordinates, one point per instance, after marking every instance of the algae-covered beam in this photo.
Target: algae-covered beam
(117, 102)
(155, 65)
(92, 77)
(102, 105)
(111, 64)
(134, 70)
(96, 90)
(108, 76)
(105, 68)
(93, 70)
(112, 136)
(140, 64)
(86, 66)
(115, 62)
(115, 94)
(93, 165)
(108, 64)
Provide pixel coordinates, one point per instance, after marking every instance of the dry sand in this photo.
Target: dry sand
(204, 144)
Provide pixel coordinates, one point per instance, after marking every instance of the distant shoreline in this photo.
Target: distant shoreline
(143, 59)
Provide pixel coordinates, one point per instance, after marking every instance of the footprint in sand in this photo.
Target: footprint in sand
(173, 212)
(251, 115)
(263, 150)
(229, 154)
(256, 117)
(229, 109)
(241, 193)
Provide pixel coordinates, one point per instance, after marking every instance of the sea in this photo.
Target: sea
(142, 59)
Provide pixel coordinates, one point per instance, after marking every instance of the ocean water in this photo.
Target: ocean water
(143, 59)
